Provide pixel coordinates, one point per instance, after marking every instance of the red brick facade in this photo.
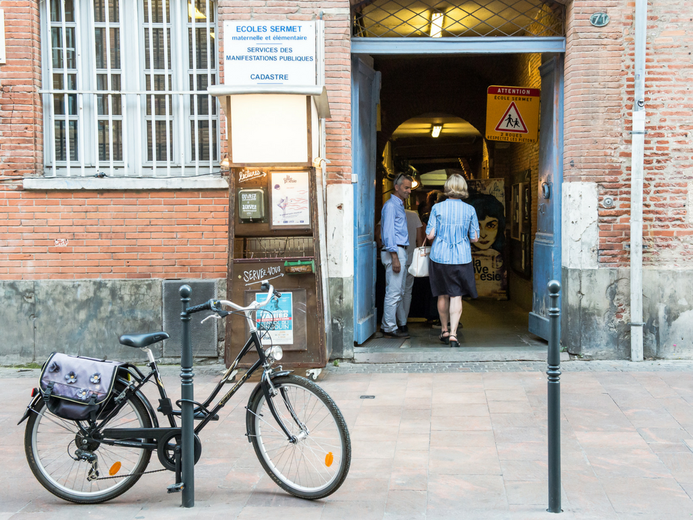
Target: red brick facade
(598, 107)
(183, 234)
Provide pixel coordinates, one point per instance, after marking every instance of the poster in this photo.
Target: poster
(276, 324)
(487, 197)
(290, 200)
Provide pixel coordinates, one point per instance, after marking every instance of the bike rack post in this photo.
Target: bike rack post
(187, 396)
(554, 400)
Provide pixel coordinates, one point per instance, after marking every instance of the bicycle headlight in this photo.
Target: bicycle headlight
(275, 353)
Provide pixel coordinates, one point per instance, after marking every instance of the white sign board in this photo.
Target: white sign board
(269, 53)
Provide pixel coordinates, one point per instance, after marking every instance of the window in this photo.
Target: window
(125, 86)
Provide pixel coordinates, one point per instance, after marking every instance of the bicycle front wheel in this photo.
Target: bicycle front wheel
(52, 443)
(318, 462)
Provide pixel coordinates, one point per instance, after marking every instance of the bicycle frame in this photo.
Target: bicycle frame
(132, 437)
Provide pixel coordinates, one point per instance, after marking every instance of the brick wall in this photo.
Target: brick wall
(598, 105)
(65, 235)
(158, 234)
(336, 16)
(21, 126)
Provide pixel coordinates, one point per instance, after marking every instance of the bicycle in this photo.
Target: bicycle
(306, 449)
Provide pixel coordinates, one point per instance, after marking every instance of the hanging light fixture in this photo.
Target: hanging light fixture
(194, 12)
(436, 24)
(435, 130)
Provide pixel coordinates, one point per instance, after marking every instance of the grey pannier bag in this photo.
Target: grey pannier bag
(76, 387)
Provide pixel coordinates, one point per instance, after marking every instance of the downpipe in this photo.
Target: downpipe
(636, 192)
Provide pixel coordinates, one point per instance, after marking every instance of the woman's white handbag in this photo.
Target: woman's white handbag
(419, 262)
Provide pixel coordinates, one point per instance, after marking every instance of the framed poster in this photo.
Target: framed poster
(290, 200)
(284, 323)
(277, 319)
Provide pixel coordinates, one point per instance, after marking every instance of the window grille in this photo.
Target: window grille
(452, 19)
(127, 88)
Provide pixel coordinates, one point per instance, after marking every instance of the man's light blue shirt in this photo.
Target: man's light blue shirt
(393, 225)
(455, 222)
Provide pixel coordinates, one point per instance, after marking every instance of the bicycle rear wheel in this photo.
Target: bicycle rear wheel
(316, 465)
(51, 443)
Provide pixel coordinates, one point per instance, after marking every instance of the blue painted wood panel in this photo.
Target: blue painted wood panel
(365, 94)
(547, 241)
(481, 45)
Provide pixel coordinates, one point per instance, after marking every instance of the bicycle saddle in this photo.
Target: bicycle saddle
(142, 340)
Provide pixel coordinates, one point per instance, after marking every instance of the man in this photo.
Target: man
(395, 237)
(416, 233)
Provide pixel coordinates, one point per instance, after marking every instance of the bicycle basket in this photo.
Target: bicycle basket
(75, 387)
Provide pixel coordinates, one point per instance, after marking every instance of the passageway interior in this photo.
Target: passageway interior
(431, 123)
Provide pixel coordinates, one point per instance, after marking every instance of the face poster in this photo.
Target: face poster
(275, 322)
(487, 197)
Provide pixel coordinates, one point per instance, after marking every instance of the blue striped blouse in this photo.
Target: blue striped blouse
(454, 223)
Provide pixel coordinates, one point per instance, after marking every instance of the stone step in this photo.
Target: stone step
(450, 355)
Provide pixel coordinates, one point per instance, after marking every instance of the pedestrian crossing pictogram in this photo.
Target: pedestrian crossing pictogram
(512, 121)
(512, 114)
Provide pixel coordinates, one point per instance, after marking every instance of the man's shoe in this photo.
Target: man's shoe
(395, 334)
(404, 329)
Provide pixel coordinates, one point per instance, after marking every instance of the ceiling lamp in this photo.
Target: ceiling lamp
(437, 24)
(194, 12)
(435, 130)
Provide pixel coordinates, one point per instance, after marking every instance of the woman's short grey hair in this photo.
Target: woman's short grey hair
(456, 187)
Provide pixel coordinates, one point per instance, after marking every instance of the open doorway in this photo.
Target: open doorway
(431, 120)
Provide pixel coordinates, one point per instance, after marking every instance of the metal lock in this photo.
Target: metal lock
(608, 202)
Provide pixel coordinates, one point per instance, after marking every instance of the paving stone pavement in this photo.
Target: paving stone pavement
(437, 442)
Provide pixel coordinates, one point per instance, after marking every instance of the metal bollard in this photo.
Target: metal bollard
(187, 396)
(554, 400)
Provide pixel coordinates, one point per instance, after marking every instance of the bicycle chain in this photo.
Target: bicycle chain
(131, 474)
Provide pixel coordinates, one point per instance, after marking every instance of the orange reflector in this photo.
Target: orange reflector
(329, 459)
(114, 469)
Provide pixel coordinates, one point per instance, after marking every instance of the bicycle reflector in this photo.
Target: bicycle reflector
(329, 459)
(114, 469)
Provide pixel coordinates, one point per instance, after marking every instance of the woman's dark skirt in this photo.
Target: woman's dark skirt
(452, 279)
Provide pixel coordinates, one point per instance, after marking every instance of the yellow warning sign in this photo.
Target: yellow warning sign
(512, 114)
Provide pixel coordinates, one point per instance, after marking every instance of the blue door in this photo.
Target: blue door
(365, 94)
(547, 242)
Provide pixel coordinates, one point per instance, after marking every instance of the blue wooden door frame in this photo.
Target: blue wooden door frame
(547, 253)
(546, 264)
(365, 94)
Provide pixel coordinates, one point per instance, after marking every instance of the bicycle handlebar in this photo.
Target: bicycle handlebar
(206, 306)
(216, 305)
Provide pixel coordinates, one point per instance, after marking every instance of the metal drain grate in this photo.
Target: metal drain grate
(465, 18)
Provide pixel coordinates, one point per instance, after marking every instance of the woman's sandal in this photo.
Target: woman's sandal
(453, 342)
(443, 336)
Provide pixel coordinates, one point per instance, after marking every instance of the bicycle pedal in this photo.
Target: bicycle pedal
(175, 488)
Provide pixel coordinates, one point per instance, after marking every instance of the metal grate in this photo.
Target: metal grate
(275, 247)
(450, 19)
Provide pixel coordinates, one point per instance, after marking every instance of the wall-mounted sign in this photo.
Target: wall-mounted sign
(276, 318)
(251, 204)
(269, 53)
(290, 199)
(512, 114)
(599, 19)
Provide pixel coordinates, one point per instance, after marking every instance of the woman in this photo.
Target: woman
(452, 226)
